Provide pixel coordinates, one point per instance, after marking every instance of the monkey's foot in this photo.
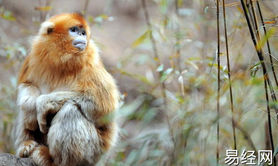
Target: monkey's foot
(26, 148)
(41, 156)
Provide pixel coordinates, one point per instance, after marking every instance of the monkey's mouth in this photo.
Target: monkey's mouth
(79, 44)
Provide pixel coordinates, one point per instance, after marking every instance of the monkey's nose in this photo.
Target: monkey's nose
(79, 43)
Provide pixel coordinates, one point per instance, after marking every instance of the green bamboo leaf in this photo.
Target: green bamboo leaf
(43, 8)
(165, 74)
(168, 71)
(180, 3)
(141, 39)
(254, 69)
(7, 15)
(160, 68)
(263, 41)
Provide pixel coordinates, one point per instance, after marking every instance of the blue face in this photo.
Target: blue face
(79, 37)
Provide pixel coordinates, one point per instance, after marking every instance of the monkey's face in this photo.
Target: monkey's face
(78, 34)
(66, 33)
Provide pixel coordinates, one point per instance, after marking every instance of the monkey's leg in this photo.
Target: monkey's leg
(51, 103)
(26, 101)
(73, 139)
(26, 148)
(42, 157)
(26, 122)
(24, 138)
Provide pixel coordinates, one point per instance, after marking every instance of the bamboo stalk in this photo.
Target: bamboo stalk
(86, 7)
(229, 74)
(266, 90)
(266, 77)
(260, 56)
(41, 14)
(218, 82)
(269, 121)
(267, 43)
(246, 136)
(178, 50)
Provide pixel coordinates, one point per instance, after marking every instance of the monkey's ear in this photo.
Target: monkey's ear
(79, 13)
(49, 30)
(46, 28)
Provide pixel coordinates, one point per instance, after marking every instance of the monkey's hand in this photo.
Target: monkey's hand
(26, 101)
(50, 104)
(26, 148)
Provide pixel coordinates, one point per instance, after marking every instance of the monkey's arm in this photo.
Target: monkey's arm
(26, 100)
(50, 104)
(104, 122)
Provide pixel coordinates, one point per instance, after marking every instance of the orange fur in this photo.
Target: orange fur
(83, 72)
(54, 64)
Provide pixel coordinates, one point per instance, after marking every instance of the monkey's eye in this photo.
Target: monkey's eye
(83, 33)
(73, 29)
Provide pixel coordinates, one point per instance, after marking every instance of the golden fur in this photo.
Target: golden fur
(54, 65)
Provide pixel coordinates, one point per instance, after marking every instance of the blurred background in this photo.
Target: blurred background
(163, 55)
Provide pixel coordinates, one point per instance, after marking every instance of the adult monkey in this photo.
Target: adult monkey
(63, 77)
